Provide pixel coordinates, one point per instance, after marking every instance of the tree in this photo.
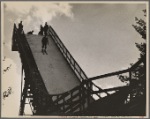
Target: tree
(140, 27)
(138, 79)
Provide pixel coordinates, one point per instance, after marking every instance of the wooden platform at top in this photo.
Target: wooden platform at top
(57, 75)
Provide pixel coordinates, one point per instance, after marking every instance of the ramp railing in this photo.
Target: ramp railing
(72, 62)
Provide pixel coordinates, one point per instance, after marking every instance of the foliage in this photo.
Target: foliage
(140, 27)
(138, 75)
(7, 93)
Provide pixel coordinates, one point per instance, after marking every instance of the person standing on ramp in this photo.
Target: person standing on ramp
(20, 27)
(44, 44)
(45, 28)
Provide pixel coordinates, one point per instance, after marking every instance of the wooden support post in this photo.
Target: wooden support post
(14, 43)
(21, 80)
(23, 98)
(63, 103)
(81, 99)
(130, 82)
(71, 99)
(88, 93)
(57, 98)
(73, 64)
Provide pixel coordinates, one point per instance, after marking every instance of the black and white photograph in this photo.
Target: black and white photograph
(78, 59)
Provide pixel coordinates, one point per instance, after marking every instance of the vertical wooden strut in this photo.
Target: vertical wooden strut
(23, 97)
(21, 81)
(130, 80)
(14, 42)
(21, 111)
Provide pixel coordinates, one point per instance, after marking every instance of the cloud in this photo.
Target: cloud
(34, 14)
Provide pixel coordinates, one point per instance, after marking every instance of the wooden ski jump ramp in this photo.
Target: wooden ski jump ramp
(56, 73)
(55, 84)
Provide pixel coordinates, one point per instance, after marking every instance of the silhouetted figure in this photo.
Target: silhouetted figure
(41, 30)
(20, 27)
(44, 43)
(45, 28)
(30, 32)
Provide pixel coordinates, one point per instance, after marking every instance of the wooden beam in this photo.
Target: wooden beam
(110, 89)
(109, 74)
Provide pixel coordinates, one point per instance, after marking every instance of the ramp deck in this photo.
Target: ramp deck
(56, 73)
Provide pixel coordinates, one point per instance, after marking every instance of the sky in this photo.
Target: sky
(99, 36)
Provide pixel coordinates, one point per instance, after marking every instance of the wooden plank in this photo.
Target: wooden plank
(72, 105)
(69, 100)
(66, 94)
(77, 106)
